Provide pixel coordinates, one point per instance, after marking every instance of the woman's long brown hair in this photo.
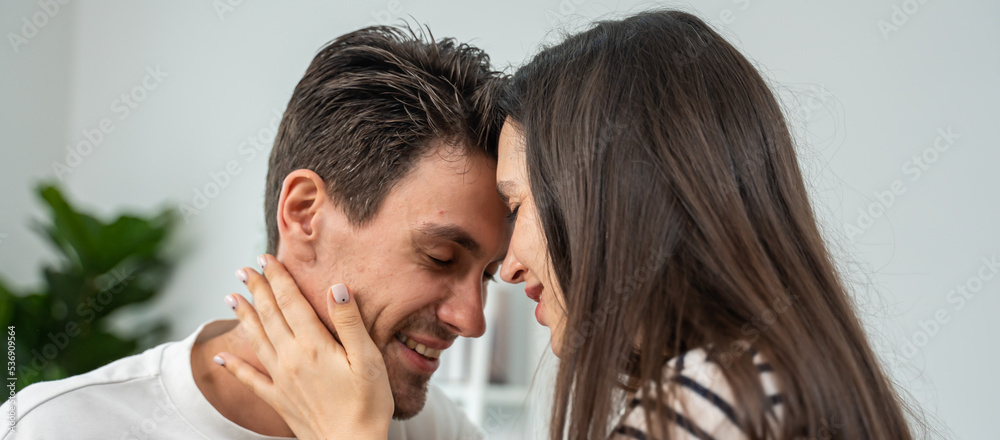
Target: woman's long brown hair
(676, 218)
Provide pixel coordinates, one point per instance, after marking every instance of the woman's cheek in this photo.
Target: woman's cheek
(558, 338)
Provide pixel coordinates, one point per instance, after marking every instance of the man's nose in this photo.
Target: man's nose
(462, 310)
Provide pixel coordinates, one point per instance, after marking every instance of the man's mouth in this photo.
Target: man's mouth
(421, 349)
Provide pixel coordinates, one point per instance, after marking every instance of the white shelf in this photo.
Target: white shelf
(494, 394)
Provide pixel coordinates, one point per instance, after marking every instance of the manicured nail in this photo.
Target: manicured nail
(219, 360)
(340, 295)
(241, 275)
(231, 302)
(262, 261)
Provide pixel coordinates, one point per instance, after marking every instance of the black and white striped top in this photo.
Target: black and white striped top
(701, 406)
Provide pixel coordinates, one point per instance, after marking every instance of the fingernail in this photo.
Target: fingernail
(262, 261)
(231, 302)
(241, 275)
(340, 295)
(219, 360)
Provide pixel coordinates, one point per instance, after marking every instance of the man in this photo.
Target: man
(381, 177)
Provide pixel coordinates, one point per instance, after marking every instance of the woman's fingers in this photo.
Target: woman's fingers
(271, 318)
(252, 327)
(297, 312)
(363, 356)
(249, 376)
(347, 321)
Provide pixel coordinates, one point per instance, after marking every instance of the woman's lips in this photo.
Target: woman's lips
(535, 293)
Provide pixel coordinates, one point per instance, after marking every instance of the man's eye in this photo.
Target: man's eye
(442, 263)
(512, 217)
(489, 277)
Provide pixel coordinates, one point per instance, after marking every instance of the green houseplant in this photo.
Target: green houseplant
(63, 327)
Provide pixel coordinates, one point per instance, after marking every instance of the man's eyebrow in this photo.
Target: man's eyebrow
(454, 233)
(503, 188)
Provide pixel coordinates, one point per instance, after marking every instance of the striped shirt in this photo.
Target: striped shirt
(701, 404)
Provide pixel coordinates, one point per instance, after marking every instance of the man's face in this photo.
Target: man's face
(419, 269)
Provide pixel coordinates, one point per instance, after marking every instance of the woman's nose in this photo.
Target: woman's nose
(512, 271)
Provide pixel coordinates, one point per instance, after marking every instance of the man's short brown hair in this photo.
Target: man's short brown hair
(370, 105)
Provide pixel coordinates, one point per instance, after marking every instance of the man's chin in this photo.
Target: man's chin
(409, 390)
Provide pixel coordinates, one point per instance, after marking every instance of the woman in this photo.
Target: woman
(663, 226)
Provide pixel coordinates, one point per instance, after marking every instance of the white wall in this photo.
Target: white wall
(864, 105)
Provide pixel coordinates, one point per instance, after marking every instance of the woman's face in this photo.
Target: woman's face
(527, 258)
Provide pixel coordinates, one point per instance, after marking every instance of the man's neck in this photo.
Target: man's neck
(233, 400)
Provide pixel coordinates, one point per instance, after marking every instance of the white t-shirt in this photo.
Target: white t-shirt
(152, 395)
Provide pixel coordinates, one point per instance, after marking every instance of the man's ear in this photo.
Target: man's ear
(301, 205)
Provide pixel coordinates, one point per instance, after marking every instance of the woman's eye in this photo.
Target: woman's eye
(512, 217)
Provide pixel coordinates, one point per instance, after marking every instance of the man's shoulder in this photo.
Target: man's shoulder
(441, 418)
(113, 387)
(137, 367)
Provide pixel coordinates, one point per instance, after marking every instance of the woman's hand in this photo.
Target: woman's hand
(322, 389)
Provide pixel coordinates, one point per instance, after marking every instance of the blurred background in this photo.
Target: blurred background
(133, 110)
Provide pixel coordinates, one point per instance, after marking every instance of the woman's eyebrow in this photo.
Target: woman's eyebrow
(505, 187)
